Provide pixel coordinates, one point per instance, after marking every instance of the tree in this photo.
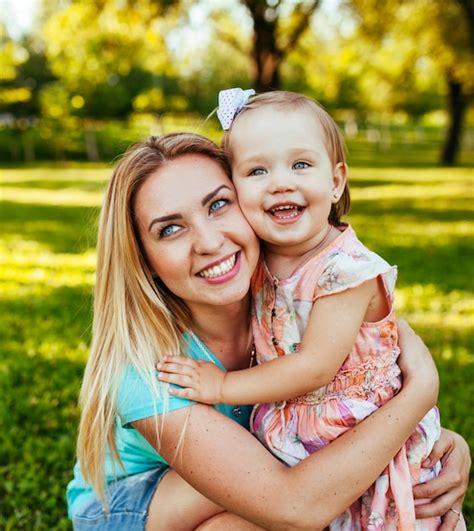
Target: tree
(13, 90)
(439, 31)
(95, 47)
(458, 74)
(277, 28)
(105, 54)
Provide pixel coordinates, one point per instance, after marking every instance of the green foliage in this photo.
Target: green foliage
(419, 219)
(12, 57)
(106, 53)
(421, 45)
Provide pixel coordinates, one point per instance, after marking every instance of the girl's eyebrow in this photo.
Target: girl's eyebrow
(204, 200)
(254, 159)
(303, 149)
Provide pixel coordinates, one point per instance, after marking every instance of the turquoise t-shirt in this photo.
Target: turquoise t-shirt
(137, 401)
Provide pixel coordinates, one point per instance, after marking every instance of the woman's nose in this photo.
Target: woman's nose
(207, 238)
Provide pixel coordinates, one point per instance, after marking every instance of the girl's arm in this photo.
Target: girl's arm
(331, 332)
(230, 467)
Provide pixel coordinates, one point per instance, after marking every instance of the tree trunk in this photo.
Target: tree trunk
(92, 149)
(457, 108)
(265, 53)
(28, 147)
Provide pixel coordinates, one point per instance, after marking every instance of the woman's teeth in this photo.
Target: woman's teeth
(220, 269)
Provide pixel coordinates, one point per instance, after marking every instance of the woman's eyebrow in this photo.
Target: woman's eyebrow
(172, 217)
(210, 195)
(169, 217)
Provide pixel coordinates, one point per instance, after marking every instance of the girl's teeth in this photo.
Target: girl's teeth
(220, 269)
(291, 211)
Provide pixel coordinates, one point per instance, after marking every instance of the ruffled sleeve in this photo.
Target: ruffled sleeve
(345, 269)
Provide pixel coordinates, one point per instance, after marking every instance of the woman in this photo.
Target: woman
(175, 258)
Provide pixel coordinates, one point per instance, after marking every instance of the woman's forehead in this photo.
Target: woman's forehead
(182, 182)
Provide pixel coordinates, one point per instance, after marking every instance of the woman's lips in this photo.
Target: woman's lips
(223, 271)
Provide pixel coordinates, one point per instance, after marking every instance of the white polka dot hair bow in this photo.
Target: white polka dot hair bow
(231, 101)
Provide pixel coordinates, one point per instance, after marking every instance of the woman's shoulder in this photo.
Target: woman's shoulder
(140, 394)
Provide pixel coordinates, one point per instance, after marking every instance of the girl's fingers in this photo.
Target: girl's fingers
(179, 360)
(176, 368)
(182, 380)
(190, 394)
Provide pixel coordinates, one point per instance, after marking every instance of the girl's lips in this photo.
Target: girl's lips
(225, 277)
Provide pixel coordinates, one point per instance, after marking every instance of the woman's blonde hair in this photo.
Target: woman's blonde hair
(136, 319)
(334, 141)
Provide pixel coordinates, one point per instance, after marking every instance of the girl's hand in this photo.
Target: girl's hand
(202, 381)
(417, 365)
(447, 491)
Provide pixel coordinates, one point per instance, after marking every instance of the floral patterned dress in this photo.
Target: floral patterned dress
(369, 376)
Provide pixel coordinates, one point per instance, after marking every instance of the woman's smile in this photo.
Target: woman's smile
(222, 270)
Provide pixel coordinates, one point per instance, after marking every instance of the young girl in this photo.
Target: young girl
(323, 320)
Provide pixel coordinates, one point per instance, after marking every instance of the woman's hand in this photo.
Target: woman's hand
(417, 365)
(447, 491)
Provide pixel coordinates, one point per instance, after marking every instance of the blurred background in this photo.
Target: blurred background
(82, 80)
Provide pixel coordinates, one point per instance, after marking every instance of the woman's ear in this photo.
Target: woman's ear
(339, 180)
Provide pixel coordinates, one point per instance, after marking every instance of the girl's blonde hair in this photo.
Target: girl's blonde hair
(136, 319)
(334, 141)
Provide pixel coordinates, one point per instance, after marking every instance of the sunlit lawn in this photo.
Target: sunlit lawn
(419, 219)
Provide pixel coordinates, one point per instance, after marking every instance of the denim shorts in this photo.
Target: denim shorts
(129, 499)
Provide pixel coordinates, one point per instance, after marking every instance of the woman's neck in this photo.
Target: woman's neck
(226, 331)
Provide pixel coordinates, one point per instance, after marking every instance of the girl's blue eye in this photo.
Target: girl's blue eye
(300, 165)
(169, 230)
(257, 171)
(217, 205)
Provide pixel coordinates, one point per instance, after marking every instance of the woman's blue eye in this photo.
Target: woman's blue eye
(217, 205)
(300, 165)
(257, 171)
(169, 230)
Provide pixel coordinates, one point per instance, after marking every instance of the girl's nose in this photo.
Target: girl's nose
(207, 238)
(281, 181)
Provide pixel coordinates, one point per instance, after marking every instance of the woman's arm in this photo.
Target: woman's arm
(230, 467)
(448, 489)
(332, 329)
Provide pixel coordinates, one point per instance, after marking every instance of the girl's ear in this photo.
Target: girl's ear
(339, 181)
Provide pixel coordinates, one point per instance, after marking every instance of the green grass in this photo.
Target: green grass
(419, 219)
